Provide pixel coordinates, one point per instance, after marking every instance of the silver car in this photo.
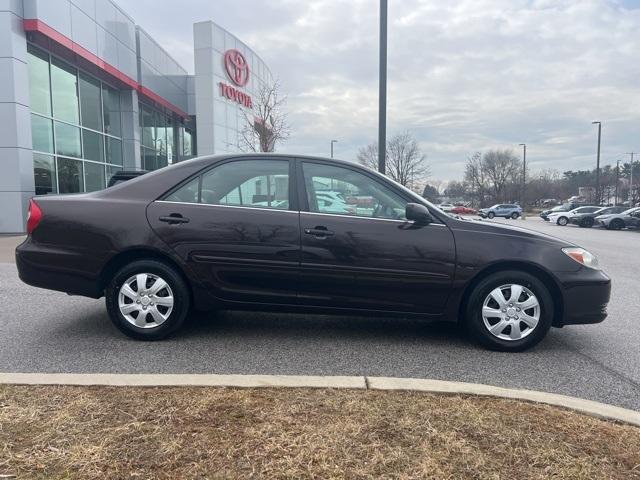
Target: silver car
(617, 221)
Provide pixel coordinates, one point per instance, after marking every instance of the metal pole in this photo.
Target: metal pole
(524, 180)
(617, 181)
(382, 94)
(598, 163)
(332, 142)
(631, 180)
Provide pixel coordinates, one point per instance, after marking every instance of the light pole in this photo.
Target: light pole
(382, 94)
(598, 162)
(524, 180)
(631, 180)
(332, 142)
(617, 182)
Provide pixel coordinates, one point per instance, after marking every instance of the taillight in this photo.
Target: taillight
(33, 217)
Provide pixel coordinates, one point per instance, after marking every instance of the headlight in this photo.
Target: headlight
(583, 257)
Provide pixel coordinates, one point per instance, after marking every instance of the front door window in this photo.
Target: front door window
(342, 191)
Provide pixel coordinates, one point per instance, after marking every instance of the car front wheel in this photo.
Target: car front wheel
(586, 222)
(616, 224)
(562, 221)
(509, 311)
(147, 300)
(490, 215)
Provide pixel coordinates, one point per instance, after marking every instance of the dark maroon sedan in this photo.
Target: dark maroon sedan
(275, 232)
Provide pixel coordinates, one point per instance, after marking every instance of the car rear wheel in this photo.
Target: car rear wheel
(514, 215)
(509, 311)
(490, 215)
(616, 224)
(562, 221)
(147, 300)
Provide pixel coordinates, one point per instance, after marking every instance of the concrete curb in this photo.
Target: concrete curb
(588, 407)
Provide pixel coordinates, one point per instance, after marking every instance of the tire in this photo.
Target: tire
(160, 320)
(586, 222)
(616, 224)
(490, 215)
(562, 221)
(529, 336)
(514, 215)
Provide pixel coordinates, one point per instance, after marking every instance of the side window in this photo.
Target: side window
(248, 183)
(188, 193)
(343, 191)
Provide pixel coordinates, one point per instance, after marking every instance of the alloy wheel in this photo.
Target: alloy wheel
(145, 300)
(562, 221)
(511, 312)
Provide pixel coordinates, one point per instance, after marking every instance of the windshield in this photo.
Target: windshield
(559, 208)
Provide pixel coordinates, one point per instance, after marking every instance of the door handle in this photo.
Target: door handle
(318, 232)
(174, 218)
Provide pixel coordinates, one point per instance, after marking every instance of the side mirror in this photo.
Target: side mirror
(419, 214)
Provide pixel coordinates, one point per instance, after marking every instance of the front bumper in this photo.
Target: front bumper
(585, 294)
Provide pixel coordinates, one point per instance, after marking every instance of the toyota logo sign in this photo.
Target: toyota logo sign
(237, 67)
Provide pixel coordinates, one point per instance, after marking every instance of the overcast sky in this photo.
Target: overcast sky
(464, 76)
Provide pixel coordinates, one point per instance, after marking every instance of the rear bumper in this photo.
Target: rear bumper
(51, 268)
(586, 294)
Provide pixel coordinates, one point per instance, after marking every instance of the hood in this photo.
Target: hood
(512, 230)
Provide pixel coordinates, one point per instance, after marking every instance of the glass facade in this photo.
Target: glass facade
(76, 126)
(163, 140)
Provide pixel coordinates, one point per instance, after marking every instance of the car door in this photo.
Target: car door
(370, 257)
(236, 226)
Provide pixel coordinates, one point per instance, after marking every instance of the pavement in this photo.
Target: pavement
(43, 331)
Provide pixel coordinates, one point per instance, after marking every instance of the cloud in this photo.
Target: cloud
(464, 75)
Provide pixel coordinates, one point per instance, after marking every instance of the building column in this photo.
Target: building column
(16, 157)
(130, 130)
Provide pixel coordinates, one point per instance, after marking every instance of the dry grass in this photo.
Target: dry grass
(75, 432)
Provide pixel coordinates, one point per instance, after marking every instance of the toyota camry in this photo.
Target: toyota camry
(256, 232)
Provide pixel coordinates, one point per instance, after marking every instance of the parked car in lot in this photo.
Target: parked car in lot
(565, 207)
(588, 219)
(446, 207)
(563, 218)
(190, 236)
(123, 176)
(616, 221)
(462, 210)
(506, 210)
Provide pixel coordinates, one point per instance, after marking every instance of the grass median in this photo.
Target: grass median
(127, 432)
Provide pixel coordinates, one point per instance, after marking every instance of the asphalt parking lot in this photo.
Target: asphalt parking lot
(43, 331)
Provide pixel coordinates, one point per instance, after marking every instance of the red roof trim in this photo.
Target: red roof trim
(35, 25)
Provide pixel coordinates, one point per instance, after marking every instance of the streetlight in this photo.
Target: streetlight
(598, 162)
(524, 180)
(332, 142)
(382, 93)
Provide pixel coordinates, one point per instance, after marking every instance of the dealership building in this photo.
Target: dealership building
(86, 92)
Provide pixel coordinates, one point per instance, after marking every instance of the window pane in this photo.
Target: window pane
(92, 145)
(70, 176)
(114, 150)
(90, 103)
(39, 88)
(187, 193)
(65, 91)
(67, 140)
(42, 133)
(93, 176)
(111, 171)
(187, 149)
(257, 183)
(344, 191)
(148, 128)
(148, 159)
(111, 107)
(44, 173)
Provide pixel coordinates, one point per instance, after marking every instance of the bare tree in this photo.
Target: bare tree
(266, 123)
(405, 162)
